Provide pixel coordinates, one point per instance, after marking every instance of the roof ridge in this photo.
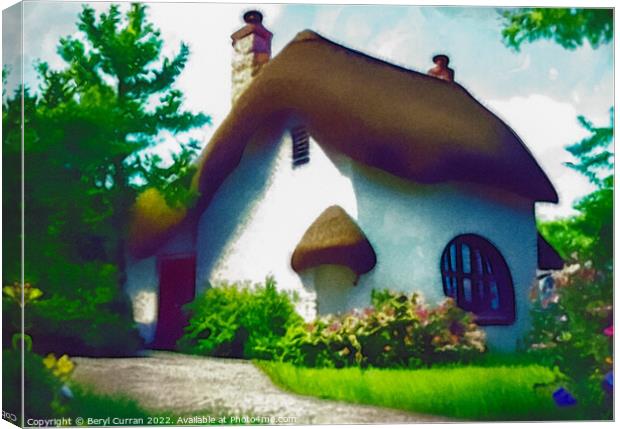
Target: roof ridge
(309, 35)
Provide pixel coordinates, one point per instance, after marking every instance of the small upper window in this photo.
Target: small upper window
(476, 275)
(301, 146)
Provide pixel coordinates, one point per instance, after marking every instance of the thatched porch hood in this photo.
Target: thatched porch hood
(334, 238)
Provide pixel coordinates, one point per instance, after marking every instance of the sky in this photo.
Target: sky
(539, 91)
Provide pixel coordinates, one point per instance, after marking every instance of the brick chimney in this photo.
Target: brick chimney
(441, 69)
(252, 50)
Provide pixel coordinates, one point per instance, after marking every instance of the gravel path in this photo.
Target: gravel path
(192, 385)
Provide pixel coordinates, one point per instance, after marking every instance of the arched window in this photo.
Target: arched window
(476, 275)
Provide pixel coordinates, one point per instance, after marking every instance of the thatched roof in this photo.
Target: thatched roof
(548, 257)
(334, 238)
(409, 124)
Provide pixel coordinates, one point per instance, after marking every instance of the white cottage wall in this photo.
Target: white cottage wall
(263, 208)
(410, 224)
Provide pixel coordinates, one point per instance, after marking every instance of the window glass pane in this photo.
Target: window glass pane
(477, 262)
(480, 290)
(448, 283)
(494, 296)
(467, 289)
(454, 287)
(453, 257)
(446, 265)
(466, 258)
(488, 265)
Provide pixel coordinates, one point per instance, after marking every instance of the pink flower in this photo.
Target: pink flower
(609, 331)
(422, 314)
(368, 311)
(334, 326)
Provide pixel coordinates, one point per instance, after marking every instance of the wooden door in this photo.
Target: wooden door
(177, 287)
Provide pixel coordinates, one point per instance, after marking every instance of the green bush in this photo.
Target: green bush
(397, 331)
(41, 388)
(81, 327)
(568, 331)
(238, 320)
(92, 319)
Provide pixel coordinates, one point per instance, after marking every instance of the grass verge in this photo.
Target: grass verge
(121, 410)
(459, 392)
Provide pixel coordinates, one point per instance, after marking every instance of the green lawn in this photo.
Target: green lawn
(125, 411)
(458, 392)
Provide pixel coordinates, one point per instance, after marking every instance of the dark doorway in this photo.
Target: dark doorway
(177, 286)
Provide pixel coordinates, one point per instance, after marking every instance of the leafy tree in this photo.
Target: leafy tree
(87, 131)
(571, 328)
(568, 27)
(589, 234)
(120, 96)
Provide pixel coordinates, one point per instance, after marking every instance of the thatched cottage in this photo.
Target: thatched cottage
(337, 173)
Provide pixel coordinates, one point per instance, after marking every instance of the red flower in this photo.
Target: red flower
(609, 331)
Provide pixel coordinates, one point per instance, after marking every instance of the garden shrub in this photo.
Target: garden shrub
(396, 331)
(40, 385)
(88, 321)
(238, 320)
(571, 330)
(82, 327)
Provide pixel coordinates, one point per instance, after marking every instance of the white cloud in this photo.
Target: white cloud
(553, 73)
(547, 127)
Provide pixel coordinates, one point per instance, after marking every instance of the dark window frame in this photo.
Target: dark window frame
(472, 287)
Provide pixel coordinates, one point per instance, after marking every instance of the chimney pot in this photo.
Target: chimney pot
(253, 17)
(441, 69)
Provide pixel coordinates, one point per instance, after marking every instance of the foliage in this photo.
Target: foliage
(85, 323)
(87, 131)
(50, 394)
(594, 153)
(589, 235)
(456, 392)
(398, 330)
(568, 332)
(568, 326)
(86, 403)
(86, 326)
(15, 298)
(239, 320)
(568, 27)
(40, 385)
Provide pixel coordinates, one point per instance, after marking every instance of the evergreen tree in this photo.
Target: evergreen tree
(87, 131)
